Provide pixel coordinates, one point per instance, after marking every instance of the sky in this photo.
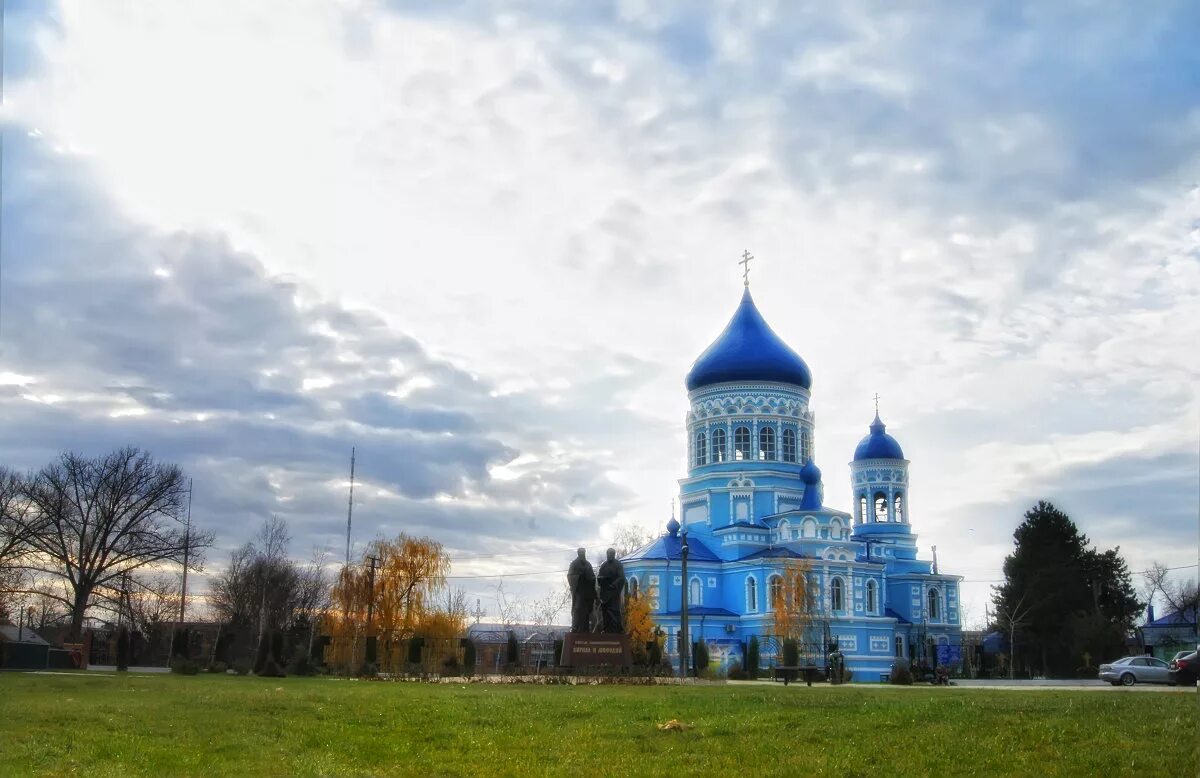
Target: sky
(482, 243)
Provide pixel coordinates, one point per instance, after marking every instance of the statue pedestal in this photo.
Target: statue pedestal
(588, 649)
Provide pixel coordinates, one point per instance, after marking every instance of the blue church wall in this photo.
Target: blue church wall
(753, 499)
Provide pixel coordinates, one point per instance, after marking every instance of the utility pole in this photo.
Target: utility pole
(187, 542)
(350, 506)
(685, 640)
(371, 641)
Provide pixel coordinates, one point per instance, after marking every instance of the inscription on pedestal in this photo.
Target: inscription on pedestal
(596, 650)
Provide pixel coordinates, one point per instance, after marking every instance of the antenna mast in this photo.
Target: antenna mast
(350, 506)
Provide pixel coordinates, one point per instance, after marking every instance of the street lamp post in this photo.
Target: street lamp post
(685, 639)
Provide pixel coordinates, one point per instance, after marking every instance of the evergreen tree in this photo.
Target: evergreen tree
(752, 656)
(1060, 598)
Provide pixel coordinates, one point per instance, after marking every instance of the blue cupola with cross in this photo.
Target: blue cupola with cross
(753, 502)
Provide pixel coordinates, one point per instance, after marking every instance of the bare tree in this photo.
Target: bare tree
(1013, 617)
(509, 607)
(94, 521)
(544, 611)
(629, 538)
(1182, 597)
(15, 528)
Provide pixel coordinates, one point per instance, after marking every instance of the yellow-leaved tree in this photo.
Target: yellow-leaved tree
(639, 625)
(401, 604)
(795, 612)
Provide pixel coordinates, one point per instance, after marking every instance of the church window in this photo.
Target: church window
(806, 452)
(872, 596)
(718, 446)
(633, 588)
(809, 528)
(898, 507)
(784, 530)
(695, 593)
(789, 445)
(837, 598)
(934, 605)
(751, 594)
(881, 511)
(775, 591)
(766, 444)
(862, 508)
(741, 443)
(835, 529)
(900, 646)
(701, 449)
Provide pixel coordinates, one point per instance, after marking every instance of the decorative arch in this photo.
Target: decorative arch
(835, 528)
(808, 528)
(719, 451)
(701, 449)
(741, 443)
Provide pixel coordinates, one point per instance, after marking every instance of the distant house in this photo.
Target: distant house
(1173, 632)
(23, 649)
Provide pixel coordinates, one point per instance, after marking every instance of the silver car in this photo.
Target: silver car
(1135, 669)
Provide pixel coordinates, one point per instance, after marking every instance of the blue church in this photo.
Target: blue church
(752, 507)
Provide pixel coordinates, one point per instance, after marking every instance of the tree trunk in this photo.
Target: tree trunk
(82, 596)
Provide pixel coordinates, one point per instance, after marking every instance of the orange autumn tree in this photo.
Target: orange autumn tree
(410, 573)
(639, 625)
(795, 612)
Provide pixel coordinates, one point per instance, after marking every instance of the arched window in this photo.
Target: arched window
(898, 506)
(766, 444)
(741, 443)
(785, 531)
(718, 446)
(775, 592)
(809, 528)
(835, 529)
(789, 445)
(881, 506)
(935, 603)
(633, 588)
(872, 596)
(701, 449)
(806, 452)
(751, 594)
(695, 594)
(837, 595)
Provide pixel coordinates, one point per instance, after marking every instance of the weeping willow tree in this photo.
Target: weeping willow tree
(402, 601)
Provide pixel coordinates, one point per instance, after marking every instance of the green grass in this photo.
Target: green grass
(171, 725)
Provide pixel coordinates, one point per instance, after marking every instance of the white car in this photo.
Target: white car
(1135, 669)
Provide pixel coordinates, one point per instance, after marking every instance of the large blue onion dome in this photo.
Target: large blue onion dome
(748, 350)
(879, 444)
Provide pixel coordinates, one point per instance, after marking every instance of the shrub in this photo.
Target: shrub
(217, 667)
(184, 666)
(301, 663)
(271, 669)
(752, 657)
(242, 666)
(469, 656)
(123, 649)
(901, 675)
(512, 651)
(699, 656)
(791, 653)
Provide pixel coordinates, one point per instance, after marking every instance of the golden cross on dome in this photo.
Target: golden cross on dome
(745, 263)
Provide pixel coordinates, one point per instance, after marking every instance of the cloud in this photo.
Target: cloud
(498, 233)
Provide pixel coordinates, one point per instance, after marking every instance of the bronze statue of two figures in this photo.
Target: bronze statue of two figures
(589, 590)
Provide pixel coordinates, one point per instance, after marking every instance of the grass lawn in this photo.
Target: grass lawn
(101, 724)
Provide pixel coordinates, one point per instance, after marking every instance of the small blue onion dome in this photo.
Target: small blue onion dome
(878, 445)
(748, 350)
(673, 527)
(810, 473)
